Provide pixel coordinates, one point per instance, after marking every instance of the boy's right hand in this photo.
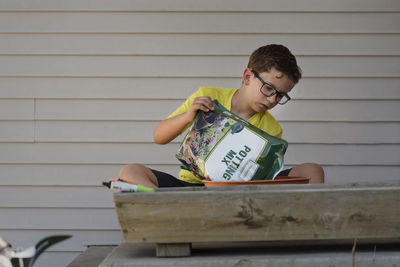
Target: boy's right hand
(203, 103)
(168, 129)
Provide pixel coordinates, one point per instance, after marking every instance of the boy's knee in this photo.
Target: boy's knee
(129, 169)
(313, 171)
(313, 166)
(139, 174)
(318, 176)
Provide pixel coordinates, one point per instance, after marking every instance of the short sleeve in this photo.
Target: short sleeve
(186, 105)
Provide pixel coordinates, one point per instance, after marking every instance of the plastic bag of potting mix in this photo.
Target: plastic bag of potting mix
(221, 146)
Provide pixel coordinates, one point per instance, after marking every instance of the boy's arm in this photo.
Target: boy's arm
(168, 129)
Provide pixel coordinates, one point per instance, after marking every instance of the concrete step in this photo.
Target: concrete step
(92, 256)
(238, 254)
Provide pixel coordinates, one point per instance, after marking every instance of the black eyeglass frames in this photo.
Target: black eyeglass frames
(269, 90)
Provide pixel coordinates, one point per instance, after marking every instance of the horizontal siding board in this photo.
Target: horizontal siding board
(192, 22)
(347, 88)
(196, 44)
(343, 154)
(187, 66)
(361, 174)
(207, 5)
(93, 175)
(87, 153)
(138, 66)
(51, 197)
(142, 131)
(78, 242)
(92, 131)
(303, 110)
(104, 109)
(349, 66)
(58, 219)
(341, 110)
(17, 131)
(67, 174)
(17, 109)
(81, 153)
(108, 88)
(117, 66)
(341, 132)
(181, 88)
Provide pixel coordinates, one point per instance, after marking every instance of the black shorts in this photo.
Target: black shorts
(167, 180)
(284, 172)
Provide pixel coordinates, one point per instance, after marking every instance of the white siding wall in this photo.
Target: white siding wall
(83, 84)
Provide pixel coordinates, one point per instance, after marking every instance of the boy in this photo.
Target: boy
(271, 74)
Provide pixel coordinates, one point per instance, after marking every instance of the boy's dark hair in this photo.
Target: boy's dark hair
(275, 56)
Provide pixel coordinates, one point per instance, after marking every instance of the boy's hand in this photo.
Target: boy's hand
(203, 103)
(168, 129)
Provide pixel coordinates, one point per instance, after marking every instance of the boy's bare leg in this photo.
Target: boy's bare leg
(139, 174)
(310, 170)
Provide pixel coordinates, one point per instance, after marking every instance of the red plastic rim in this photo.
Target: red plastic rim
(277, 180)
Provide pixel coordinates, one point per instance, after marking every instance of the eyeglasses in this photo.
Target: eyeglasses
(269, 90)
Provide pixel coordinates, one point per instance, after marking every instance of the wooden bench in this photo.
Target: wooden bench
(174, 218)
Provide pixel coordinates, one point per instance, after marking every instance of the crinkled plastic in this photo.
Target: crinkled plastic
(221, 146)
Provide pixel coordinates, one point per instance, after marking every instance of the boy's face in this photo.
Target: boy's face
(256, 99)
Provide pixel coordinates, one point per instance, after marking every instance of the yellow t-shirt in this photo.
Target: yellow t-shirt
(263, 120)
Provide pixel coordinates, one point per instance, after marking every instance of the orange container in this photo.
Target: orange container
(277, 180)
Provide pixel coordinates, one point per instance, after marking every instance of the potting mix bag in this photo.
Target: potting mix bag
(221, 146)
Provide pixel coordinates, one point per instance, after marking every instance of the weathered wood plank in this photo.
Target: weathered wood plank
(296, 212)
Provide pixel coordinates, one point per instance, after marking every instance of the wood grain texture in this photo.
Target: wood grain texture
(297, 212)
